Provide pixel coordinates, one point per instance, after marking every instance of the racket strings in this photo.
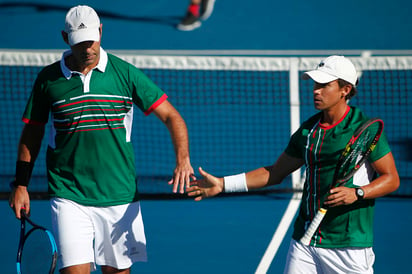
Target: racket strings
(37, 253)
(354, 154)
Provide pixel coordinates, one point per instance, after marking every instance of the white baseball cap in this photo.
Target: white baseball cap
(82, 24)
(332, 68)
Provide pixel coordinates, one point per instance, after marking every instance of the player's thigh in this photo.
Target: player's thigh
(347, 260)
(74, 232)
(119, 235)
(300, 260)
(109, 270)
(76, 269)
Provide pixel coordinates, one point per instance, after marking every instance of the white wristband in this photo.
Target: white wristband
(235, 183)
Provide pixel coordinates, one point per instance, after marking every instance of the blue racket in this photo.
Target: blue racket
(37, 252)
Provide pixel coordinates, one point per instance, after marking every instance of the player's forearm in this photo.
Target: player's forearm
(28, 149)
(30, 143)
(274, 174)
(383, 185)
(257, 178)
(178, 131)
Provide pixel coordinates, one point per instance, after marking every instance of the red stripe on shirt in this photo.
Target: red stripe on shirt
(92, 129)
(311, 184)
(93, 100)
(94, 109)
(319, 168)
(56, 124)
(31, 122)
(156, 104)
(340, 120)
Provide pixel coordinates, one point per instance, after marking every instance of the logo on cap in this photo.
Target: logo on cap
(82, 26)
(321, 64)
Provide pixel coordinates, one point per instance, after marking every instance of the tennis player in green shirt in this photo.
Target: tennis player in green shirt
(343, 243)
(89, 96)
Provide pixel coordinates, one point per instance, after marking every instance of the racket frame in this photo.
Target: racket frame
(24, 236)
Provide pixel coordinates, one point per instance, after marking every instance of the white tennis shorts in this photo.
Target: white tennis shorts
(303, 259)
(112, 236)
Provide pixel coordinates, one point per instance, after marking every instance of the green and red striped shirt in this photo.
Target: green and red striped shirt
(320, 147)
(90, 158)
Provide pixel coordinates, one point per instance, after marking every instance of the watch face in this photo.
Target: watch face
(360, 192)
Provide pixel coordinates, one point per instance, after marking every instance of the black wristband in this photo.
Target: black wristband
(23, 173)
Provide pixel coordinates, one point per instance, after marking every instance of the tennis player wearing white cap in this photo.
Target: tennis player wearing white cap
(343, 243)
(333, 68)
(89, 93)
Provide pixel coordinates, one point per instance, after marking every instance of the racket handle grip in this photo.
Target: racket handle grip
(313, 226)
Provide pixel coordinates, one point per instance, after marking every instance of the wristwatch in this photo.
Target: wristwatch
(359, 193)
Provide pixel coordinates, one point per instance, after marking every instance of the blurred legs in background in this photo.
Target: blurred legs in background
(198, 11)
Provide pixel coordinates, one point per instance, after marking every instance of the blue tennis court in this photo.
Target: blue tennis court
(226, 235)
(222, 235)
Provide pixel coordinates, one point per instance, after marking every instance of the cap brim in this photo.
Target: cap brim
(79, 36)
(319, 76)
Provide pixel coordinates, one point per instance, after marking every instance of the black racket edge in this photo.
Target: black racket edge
(365, 156)
(21, 242)
(24, 236)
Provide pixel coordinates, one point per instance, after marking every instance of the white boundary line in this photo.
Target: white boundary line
(279, 233)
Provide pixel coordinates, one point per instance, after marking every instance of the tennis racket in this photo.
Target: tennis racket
(37, 252)
(353, 156)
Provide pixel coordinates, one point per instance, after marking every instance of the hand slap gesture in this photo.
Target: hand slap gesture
(207, 187)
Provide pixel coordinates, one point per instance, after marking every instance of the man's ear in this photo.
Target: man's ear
(101, 30)
(346, 90)
(65, 37)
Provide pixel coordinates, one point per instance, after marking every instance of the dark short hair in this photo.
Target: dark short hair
(352, 92)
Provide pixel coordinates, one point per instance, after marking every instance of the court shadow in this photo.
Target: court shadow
(171, 20)
(135, 247)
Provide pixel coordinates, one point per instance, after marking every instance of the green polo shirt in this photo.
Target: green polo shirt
(90, 158)
(320, 147)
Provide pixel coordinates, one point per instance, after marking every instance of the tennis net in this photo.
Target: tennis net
(240, 112)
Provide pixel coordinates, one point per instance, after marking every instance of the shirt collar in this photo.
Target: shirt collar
(101, 66)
